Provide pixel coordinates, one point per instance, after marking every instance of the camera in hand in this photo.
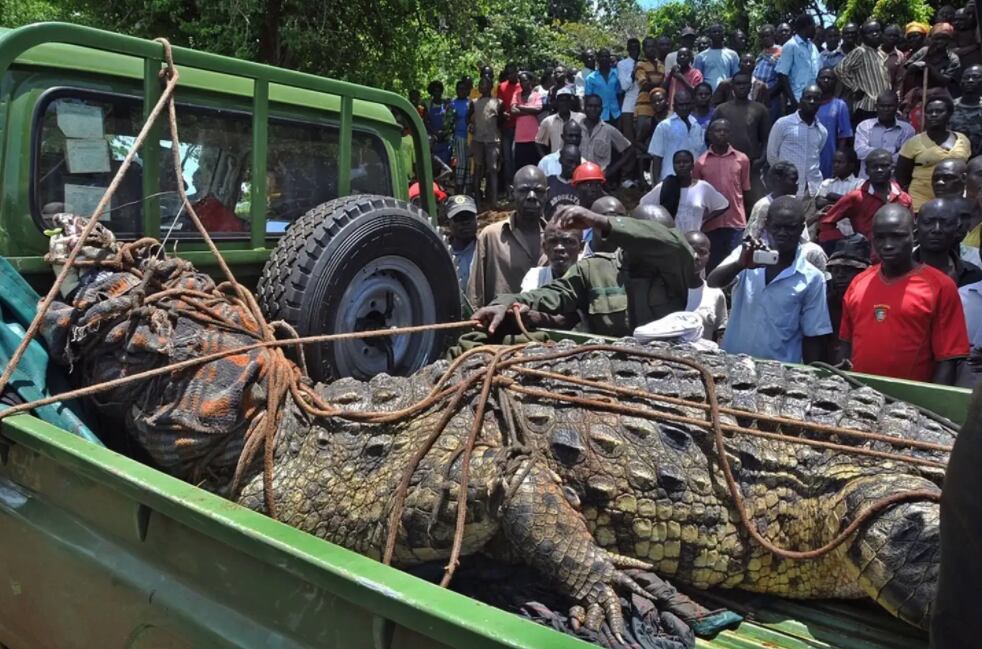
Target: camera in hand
(765, 257)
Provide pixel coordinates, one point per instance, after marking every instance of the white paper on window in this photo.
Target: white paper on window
(87, 156)
(79, 120)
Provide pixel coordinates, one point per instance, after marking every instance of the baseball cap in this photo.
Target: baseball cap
(855, 246)
(840, 259)
(459, 205)
(688, 31)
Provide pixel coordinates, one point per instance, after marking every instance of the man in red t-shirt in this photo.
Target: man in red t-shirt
(859, 205)
(901, 318)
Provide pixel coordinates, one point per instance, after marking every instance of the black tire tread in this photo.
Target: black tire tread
(289, 271)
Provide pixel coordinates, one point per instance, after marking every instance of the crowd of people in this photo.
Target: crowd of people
(816, 199)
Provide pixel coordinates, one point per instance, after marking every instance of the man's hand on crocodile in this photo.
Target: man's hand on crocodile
(490, 317)
(493, 316)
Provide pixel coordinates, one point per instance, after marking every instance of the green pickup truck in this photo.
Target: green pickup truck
(100, 550)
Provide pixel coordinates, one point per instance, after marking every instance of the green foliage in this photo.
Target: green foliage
(900, 12)
(672, 16)
(403, 44)
(20, 12)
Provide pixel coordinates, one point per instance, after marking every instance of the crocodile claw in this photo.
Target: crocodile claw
(603, 603)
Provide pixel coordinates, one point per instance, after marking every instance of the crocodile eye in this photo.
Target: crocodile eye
(539, 417)
(567, 445)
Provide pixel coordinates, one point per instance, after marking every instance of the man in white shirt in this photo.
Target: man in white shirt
(799, 139)
(572, 134)
(687, 40)
(630, 88)
(678, 131)
(549, 138)
(705, 315)
(706, 302)
(589, 59)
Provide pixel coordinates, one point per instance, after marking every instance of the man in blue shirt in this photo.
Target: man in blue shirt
(832, 53)
(799, 63)
(678, 131)
(717, 62)
(779, 310)
(603, 82)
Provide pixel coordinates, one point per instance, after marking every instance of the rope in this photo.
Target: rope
(772, 419)
(734, 490)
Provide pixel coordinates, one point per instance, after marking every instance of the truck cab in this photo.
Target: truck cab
(260, 148)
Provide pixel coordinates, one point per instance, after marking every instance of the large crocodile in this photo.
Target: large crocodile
(592, 487)
(575, 490)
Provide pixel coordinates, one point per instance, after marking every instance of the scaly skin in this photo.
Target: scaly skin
(594, 485)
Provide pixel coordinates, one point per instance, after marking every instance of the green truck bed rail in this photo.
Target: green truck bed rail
(17, 42)
(102, 551)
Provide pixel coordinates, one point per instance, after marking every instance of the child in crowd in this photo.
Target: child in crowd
(845, 162)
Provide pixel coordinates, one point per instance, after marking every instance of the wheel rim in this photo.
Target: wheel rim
(390, 291)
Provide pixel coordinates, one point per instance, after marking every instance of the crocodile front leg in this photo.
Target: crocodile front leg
(548, 533)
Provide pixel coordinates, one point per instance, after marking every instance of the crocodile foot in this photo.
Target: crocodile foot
(548, 533)
(603, 604)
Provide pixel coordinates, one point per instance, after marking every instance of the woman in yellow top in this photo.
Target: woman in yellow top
(922, 152)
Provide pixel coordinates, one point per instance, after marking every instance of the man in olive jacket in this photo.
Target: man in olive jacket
(645, 277)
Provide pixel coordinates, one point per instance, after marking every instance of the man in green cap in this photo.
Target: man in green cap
(641, 271)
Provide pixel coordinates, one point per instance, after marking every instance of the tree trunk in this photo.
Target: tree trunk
(269, 35)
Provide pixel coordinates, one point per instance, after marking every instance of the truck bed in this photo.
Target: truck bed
(102, 551)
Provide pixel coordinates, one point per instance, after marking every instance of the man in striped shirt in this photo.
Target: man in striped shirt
(864, 73)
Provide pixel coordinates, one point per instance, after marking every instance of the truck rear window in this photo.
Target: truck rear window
(216, 156)
(302, 169)
(84, 136)
(80, 148)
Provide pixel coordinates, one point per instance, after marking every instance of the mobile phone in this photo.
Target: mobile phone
(765, 257)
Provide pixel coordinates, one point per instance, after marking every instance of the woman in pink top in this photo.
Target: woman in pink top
(527, 106)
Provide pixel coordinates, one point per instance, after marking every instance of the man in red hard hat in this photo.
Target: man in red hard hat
(588, 180)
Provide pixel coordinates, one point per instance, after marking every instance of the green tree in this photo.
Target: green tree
(886, 11)
(672, 17)
(402, 44)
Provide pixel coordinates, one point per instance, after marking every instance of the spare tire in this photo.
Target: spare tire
(360, 263)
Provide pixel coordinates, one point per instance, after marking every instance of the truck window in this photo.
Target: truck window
(369, 165)
(80, 146)
(216, 152)
(302, 169)
(83, 137)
